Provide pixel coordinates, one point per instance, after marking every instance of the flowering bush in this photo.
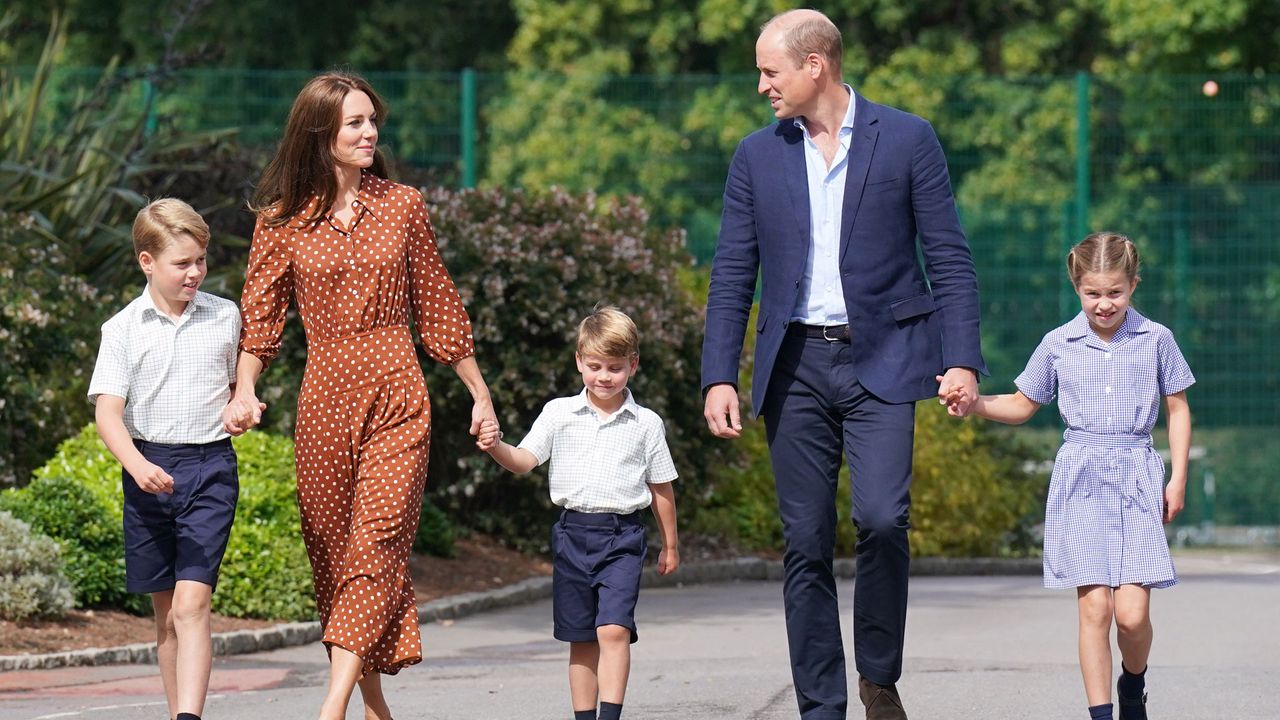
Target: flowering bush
(48, 320)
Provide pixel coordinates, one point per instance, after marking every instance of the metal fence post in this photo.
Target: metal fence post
(468, 128)
(1082, 156)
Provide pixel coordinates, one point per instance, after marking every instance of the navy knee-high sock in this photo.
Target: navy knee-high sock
(1100, 712)
(1131, 685)
(610, 711)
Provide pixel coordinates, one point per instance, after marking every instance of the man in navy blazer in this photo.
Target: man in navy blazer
(827, 206)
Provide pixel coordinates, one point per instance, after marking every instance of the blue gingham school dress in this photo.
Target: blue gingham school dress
(1103, 522)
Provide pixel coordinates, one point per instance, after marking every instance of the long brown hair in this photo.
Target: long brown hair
(303, 164)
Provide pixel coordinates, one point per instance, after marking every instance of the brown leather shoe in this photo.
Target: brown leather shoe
(882, 701)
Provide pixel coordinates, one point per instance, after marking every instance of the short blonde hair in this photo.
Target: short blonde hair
(162, 221)
(608, 332)
(1103, 252)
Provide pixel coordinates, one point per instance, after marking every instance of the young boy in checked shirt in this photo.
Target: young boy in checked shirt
(609, 460)
(162, 379)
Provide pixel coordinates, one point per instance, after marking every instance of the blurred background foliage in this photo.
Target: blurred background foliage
(600, 138)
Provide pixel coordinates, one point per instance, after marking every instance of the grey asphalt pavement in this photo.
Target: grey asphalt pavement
(977, 647)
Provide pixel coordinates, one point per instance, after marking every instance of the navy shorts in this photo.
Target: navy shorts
(180, 535)
(596, 560)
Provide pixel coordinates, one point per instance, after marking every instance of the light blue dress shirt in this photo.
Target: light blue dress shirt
(821, 299)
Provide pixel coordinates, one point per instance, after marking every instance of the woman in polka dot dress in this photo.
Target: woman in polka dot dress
(1109, 368)
(357, 253)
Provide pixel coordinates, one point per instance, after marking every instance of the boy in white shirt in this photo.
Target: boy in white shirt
(609, 460)
(163, 376)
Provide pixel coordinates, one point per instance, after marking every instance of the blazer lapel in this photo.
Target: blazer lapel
(797, 177)
(862, 147)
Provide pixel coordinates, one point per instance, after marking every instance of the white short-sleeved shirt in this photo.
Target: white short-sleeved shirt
(601, 464)
(175, 376)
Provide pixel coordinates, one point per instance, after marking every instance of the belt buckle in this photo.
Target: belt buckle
(830, 339)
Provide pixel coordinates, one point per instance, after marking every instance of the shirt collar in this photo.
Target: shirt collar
(373, 193)
(845, 125)
(628, 404)
(372, 196)
(1134, 324)
(148, 304)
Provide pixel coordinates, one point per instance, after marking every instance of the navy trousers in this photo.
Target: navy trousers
(816, 409)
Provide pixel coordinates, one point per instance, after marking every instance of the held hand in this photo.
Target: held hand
(489, 435)
(1174, 497)
(721, 411)
(482, 414)
(953, 399)
(242, 413)
(151, 478)
(668, 560)
(958, 390)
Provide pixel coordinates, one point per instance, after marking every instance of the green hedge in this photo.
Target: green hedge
(76, 498)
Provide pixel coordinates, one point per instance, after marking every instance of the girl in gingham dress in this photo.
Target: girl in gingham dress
(1109, 367)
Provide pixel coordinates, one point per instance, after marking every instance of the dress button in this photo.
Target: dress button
(1108, 356)
(1108, 389)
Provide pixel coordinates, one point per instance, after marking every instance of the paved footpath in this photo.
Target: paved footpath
(977, 647)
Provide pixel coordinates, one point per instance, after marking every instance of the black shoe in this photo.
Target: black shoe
(881, 701)
(1131, 708)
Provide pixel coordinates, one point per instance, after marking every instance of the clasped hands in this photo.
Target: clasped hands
(958, 390)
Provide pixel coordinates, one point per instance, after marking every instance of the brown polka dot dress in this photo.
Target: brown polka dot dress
(364, 420)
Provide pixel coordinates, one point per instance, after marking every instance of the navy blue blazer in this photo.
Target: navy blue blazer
(905, 330)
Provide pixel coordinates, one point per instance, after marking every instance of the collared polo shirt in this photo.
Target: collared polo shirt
(601, 464)
(174, 375)
(821, 298)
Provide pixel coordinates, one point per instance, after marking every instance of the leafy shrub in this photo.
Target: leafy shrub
(971, 494)
(68, 510)
(76, 498)
(435, 533)
(529, 268)
(265, 572)
(32, 583)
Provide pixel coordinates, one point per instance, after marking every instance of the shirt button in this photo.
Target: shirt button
(1108, 356)
(1108, 420)
(1108, 389)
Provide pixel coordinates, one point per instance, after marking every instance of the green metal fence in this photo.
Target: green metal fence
(1187, 166)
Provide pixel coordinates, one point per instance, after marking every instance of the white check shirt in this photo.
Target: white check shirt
(175, 376)
(601, 464)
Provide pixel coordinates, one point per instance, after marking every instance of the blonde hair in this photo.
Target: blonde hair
(160, 223)
(608, 332)
(813, 32)
(1103, 252)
